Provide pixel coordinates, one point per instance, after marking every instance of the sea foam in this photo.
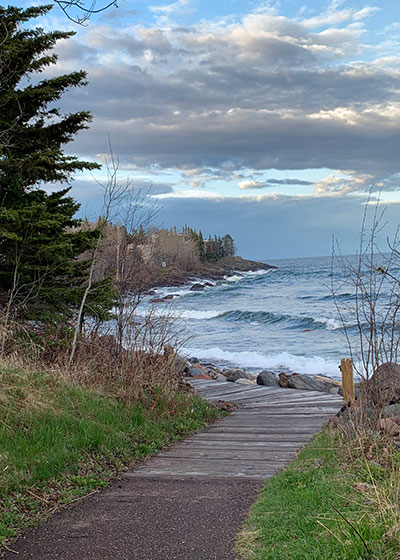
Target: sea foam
(255, 360)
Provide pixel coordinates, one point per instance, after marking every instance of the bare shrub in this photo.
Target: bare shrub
(371, 320)
(175, 249)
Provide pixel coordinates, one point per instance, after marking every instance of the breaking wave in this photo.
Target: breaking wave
(282, 361)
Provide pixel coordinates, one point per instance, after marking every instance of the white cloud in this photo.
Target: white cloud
(249, 184)
(170, 9)
(234, 97)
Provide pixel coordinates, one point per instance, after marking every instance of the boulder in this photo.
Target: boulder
(306, 383)
(181, 365)
(201, 375)
(327, 379)
(219, 377)
(243, 381)
(383, 388)
(196, 371)
(391, 410)
(389, 426)
(209, 365)
(267, 378)
(197, 288)
(235, 374)
(284, 380)
(215, 373)
(164, 298)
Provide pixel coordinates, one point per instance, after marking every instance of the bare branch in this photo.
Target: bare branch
(83, 11)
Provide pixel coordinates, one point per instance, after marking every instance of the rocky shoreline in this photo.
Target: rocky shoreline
(201, 279)
(227, 266)
(193, 368)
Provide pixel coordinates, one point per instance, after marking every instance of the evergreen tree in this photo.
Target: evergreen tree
(200, 244)
(39, 237)
(229, 246)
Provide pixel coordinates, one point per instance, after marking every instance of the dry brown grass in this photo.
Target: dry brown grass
(375, 457)
(132, 371)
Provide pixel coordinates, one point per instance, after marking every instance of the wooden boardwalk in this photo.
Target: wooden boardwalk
(254, 442)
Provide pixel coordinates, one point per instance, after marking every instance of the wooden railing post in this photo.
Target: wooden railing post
(346, 367)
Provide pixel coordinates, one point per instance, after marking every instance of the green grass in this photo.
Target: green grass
(59, 441)
(325, 504)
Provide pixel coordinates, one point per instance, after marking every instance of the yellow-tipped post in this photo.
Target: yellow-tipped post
(346, 367)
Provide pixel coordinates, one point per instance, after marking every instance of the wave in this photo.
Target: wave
(292, 322)
(346, 296)
(330, 324)
(282, 361)
(250, 317)
(173, 312)
(239, 275)
(234, 278)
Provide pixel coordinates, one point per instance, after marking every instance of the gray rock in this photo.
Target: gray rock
(267, 378)
(193, 372)
(234, 374)
(197, 288)
(356, 392)
(307, 383)
(243, 381)
(219, 377)
(181, 364)
(391, 410)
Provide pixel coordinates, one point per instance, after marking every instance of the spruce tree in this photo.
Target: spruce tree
(229, 246)
(40, 240)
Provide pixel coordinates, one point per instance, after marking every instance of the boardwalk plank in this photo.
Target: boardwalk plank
(256, 441)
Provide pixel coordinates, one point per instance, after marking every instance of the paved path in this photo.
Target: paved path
(189, 502)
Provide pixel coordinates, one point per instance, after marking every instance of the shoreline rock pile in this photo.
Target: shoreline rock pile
(207, 370)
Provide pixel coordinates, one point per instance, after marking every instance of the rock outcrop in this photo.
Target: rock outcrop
(267, 378)
(383, 388)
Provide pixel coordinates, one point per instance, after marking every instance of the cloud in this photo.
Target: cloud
(288, 182)
(252, 184)
(344, 182)
(249, 184)
(171, 8)
(261, 92)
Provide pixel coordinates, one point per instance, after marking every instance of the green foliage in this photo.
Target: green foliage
(59, 441)
(211, 249)
(32, 130)
(322, 506)
(39, 237)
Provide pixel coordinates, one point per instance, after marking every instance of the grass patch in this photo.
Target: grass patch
(59, 441)
(334, 501)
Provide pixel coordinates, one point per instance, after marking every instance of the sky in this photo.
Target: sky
(268, 120)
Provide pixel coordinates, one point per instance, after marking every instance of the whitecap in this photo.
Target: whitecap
(283, 360)
(330, 324)
(186, 314)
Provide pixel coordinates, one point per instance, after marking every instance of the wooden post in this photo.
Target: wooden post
(346, 367)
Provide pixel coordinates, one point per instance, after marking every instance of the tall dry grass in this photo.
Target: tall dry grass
(373, 454)
(141, 366)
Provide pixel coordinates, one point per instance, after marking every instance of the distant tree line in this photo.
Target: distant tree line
(213, 248)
